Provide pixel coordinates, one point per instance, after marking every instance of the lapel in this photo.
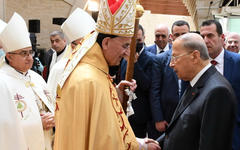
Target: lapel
(190, 95)
(143, 60)
(228, 64)
(155, 49)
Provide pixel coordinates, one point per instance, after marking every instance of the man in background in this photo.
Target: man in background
(166, 88)
(226, 62)
(161, 40)
(53, 55)
(142, 75)
(75, 31)
(232, 42)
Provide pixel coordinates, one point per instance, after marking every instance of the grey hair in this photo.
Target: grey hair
(193, 41)
(54, 33)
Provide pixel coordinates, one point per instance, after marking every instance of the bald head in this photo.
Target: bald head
(193, 41)
(233, 42)
(161, 35)
(162, 27)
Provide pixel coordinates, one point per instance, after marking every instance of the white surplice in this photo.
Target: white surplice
(29, 97)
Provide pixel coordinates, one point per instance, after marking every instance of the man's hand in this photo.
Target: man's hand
(161, 126)
(152, 144)
(47, 120)
(121, 87)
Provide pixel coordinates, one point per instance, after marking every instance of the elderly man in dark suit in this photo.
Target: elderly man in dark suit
(204, 118)
(142, 75)
(162, 44)
(226, 62)
(166, 87)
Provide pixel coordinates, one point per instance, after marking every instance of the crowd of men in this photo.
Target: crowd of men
(186, 84)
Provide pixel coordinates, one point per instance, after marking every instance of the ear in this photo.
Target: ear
(222, 38)
(9, 57)
(195, 56)
(105, 43)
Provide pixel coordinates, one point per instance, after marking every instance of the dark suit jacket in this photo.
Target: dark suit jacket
(231, 72)
(164, 93)
(153, 48)
(48, 59)
(205, 116)
(142, 75)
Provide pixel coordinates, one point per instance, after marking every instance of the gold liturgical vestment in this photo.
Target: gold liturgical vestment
(89, 115)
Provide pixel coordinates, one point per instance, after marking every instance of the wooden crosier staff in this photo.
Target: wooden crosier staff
(130, 66)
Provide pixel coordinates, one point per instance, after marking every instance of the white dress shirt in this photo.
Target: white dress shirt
(165, 48)
(220, 62)
(199, 74)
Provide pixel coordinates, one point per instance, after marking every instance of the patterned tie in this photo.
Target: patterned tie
(214, 62)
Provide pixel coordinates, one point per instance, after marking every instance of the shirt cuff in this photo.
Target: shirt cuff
(142, 144)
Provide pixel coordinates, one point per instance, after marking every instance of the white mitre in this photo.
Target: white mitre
(15, 35)
(117, 17)
(78, 25)
(2, 25)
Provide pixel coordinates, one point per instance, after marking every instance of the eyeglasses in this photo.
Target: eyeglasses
(175, 58)
(162, 35)
(24, 53)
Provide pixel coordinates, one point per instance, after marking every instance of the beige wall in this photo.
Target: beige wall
(149, 22)
(2, 9)
(44, 10)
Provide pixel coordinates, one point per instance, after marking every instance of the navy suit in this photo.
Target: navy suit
(231, 72)
(205, 116)
(142, 75)
(153, 48)
(164, 93)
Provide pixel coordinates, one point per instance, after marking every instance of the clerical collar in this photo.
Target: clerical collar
(59, 53)
(23, 73)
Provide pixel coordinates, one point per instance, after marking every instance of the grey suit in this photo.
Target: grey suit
(204, 118)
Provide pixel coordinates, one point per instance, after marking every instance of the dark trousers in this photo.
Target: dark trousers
(139, 129)
(153, 133)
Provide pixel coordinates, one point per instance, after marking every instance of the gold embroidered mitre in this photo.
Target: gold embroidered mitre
(117, 17)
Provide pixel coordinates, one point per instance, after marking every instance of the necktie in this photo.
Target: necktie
(161, 51)
(214, 62)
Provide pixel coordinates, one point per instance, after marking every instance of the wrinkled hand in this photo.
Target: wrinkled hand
(48, 120)
(152, 144)
(121, 87)
(161, 126)
(133, 85)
